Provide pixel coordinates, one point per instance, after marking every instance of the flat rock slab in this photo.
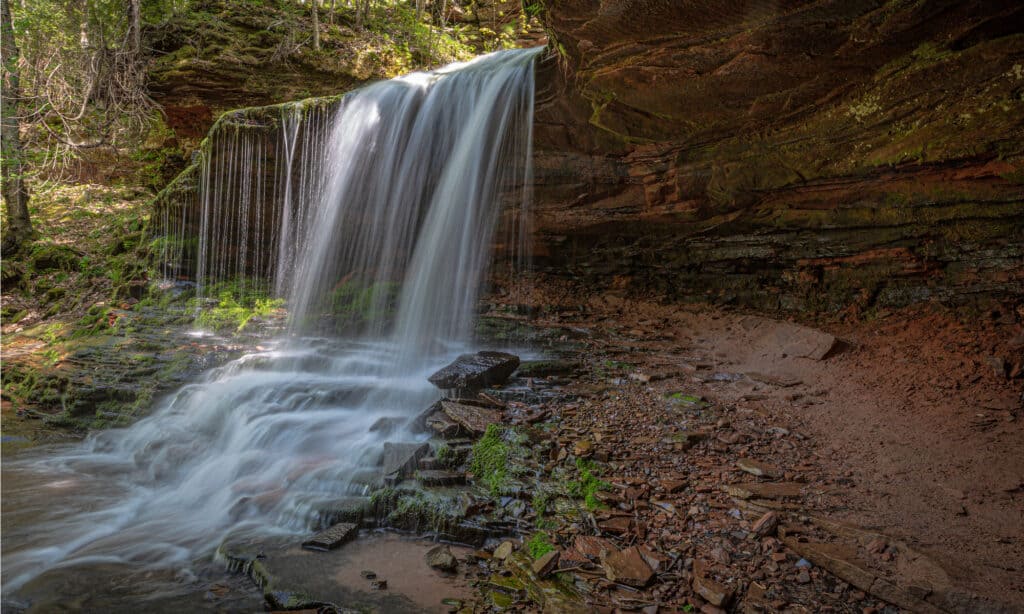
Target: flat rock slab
(401, 459)
(332, 537)
(470, 417)
(791, 340)
(628, 567)
(765, 490)
(475, 371)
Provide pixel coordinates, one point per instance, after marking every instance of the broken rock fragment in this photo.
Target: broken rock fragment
(715, 593)
(757, 468)
(441, 558)
(546, 564)
(628, 567)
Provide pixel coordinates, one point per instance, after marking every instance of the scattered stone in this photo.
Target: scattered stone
(546, 564)
(766, 524)
(757, 468)
(617, 524)
(628, 567)
(401, 459)
(332, 537)
(473, 419)
(441, 558)
(368, 575)
(711, 591)
(673, 486)
(503, 551)
(583, 448)
(379, 585)
(594, 548)
(475, 371)
(657, 561)
(803, 577)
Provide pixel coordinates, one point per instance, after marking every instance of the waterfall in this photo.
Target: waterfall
(396, 188)
(391, 196)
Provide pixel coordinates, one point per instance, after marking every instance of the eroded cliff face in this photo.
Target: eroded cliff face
(784, 155)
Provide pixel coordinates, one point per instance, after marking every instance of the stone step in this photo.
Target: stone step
(428, 463)
(437, 477)
(400, 459)
(332, 537)
(354, 509)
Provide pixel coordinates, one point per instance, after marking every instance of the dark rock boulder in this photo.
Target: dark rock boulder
(474, 371)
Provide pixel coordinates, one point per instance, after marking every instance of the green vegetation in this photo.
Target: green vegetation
(496, 459)
(237, 303)
(681, 398)
(587, 486)
(354, 305)
(538, 545)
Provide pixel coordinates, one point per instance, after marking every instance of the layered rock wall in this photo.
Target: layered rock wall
(784, 155)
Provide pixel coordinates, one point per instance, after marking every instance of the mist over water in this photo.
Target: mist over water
(399, 190)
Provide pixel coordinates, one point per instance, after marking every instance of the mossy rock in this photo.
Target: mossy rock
(53, 257)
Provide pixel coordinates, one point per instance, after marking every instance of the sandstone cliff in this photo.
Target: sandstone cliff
(787, 154)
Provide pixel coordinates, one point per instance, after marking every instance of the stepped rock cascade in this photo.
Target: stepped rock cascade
(399, 183)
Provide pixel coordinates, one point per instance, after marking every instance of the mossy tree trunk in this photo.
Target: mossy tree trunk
(19, 226)
(315, 11)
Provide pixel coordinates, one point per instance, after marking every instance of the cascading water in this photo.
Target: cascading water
(400, 189)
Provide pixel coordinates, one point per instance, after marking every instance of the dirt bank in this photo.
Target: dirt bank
(907, 425)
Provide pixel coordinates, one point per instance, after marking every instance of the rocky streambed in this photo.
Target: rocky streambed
(659, 460)
(633, 471)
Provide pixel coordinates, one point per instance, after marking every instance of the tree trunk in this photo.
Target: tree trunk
(135, 23)
(316, 23)
(19, 226)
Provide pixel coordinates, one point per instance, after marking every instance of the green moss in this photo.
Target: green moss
(496, 458)
(539, 544)
(587, 486)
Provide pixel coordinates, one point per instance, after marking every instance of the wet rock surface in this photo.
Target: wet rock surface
(475, 371)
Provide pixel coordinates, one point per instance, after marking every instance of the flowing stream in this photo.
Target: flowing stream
(397, 189)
